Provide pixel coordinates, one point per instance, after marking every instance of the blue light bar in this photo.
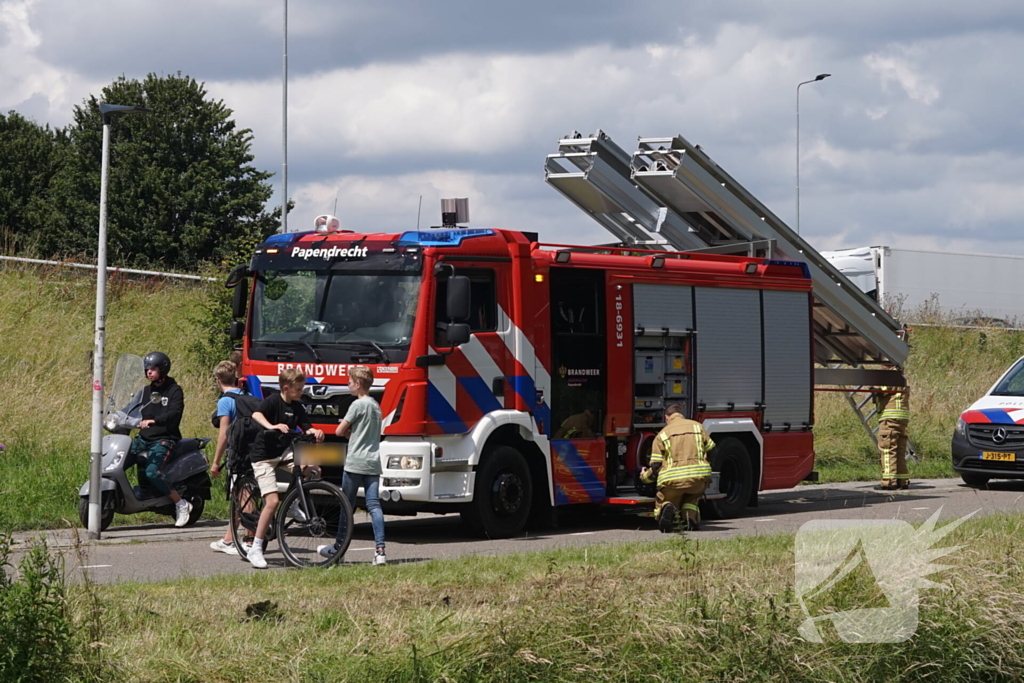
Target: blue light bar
(797, 264)
(286, 238)
(441, 238)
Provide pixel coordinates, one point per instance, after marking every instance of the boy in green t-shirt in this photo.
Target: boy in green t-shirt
(362, 424)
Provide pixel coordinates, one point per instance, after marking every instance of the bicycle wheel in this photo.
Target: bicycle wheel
(311, 516)
(246, 506)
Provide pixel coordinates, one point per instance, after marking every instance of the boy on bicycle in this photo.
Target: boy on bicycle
(362, 424)
(280, 415)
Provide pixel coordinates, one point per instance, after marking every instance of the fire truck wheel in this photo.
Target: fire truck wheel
(736, 480)
(503, 496)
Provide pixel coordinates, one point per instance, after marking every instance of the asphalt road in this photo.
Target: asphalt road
(158, 552)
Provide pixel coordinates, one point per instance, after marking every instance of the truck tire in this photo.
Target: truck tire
(975, 481)
(106, 511)
(736, 479)
(502, 495)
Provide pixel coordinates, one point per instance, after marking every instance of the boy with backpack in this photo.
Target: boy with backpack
(233, 405)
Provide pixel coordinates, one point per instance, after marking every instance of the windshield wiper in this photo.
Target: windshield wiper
(367, 342)
(292, 342)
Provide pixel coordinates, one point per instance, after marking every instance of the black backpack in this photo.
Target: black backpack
(242, 432)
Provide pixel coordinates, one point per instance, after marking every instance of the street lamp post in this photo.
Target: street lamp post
(284, 128)
(819, 77)
(108, 112)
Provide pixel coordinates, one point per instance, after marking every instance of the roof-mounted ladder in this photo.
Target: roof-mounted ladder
(670, 193)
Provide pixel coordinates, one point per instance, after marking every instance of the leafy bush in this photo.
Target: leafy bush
(37, 637)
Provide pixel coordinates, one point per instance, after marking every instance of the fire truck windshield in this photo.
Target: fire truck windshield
(336, 313)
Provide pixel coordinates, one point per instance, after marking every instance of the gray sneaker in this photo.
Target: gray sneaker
(296, 513)
(327, 550)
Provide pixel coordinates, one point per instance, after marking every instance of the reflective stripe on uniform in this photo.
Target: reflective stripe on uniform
(687, 472)
(690, 506)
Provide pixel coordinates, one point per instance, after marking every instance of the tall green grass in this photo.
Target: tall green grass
(46, 328)
(46, 337)
(949, 368)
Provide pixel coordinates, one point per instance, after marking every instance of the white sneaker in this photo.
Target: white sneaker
(182, 509)
(326, 550)
(256, 559)
(221, 547)
(379, 558)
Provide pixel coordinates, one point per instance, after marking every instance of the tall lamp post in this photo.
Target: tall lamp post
(284, 128)
(819, 77)
(108, 112)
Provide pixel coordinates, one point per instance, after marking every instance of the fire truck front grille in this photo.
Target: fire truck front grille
(996, 437)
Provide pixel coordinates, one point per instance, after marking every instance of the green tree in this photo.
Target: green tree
(28, 159)
(183, 190)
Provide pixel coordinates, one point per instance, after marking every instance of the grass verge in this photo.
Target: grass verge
(682, 609)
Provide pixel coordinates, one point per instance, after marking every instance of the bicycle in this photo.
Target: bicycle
(309, 514)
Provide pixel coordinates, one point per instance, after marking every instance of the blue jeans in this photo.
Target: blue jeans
(350, 483)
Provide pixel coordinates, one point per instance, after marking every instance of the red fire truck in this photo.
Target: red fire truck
(517, 377)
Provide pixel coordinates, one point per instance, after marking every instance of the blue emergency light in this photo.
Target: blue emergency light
(441, 238)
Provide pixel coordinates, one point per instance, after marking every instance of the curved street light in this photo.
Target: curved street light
(819, 77)
(108, 112)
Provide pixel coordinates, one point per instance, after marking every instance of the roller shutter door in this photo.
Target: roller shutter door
(787, 349)
(659, 306)
(728, 347)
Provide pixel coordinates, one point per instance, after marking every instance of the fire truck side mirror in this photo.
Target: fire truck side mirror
(240, 298)
(458, 299)
(237, 275)
(237, 330)
(458, 334)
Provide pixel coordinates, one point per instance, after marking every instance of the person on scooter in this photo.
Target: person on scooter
(163, 403)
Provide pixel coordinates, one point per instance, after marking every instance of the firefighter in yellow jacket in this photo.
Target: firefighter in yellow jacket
(892, 404)
(679, 460)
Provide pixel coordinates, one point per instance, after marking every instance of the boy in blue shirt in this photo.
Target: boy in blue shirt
(227, 381)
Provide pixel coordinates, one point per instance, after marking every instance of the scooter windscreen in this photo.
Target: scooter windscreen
(129, 381)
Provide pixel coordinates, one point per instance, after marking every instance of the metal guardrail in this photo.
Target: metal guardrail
(89, 266)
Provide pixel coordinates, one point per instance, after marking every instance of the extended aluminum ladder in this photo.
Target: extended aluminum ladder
(670, 195)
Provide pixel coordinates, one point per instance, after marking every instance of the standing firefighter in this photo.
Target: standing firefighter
(893, 407)
(679, 460)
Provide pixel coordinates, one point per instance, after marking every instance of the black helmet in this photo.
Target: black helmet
(157, 359)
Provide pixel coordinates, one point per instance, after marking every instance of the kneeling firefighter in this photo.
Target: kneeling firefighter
(679, 462)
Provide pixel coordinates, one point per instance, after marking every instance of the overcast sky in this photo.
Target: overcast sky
(916, 140)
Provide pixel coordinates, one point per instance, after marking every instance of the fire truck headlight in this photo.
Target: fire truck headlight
(395, 483)
(405, 462)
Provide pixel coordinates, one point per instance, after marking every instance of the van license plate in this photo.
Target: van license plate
(989, 455)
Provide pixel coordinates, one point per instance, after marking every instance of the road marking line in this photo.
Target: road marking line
(582, 533)
(95, 566)
(351, 549)
(920, 508)
(768, 519)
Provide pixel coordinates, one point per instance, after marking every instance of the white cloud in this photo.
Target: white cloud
(898, 68)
